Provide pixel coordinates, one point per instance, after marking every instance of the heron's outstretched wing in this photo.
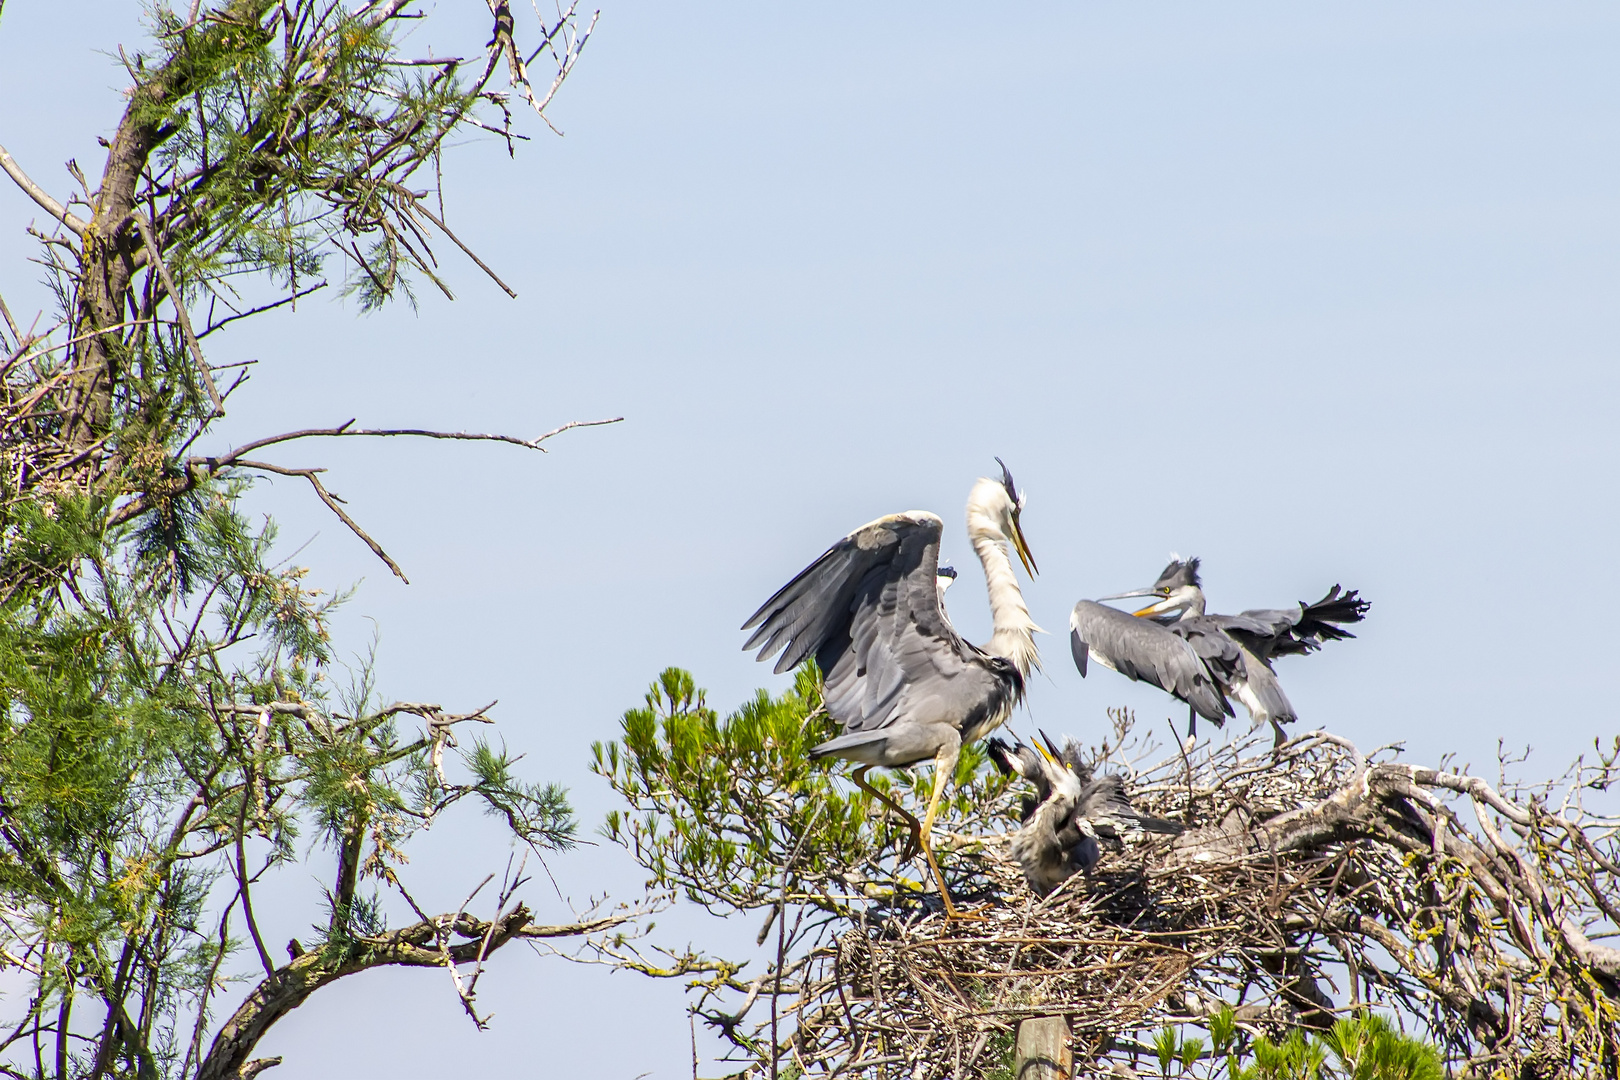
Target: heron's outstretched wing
(810, 609)
(1263, 623)
(1323, 621)
(1142, 649)
(868, 610)
(1299, 629)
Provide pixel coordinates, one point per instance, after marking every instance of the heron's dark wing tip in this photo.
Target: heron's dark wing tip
(1077, 646)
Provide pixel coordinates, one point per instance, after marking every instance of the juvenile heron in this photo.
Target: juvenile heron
(896, 675)
(1073, 814)
(1237, 650)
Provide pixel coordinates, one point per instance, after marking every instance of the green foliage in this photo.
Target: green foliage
(285, 141)
(719, 807)
(538, 814)
(169, 726)
(999, 1051)
(1361, 1047)
(144, 738)
(1369, 1048)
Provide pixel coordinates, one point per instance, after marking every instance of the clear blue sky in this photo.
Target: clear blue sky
(1321, 293)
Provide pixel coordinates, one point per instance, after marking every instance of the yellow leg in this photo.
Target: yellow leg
(944, 768)
(859, 776)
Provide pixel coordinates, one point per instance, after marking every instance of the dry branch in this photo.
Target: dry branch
(39, 194)
(412, 946)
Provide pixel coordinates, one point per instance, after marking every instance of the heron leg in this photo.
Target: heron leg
(1192, 722)
(944, 769)
(859, 776)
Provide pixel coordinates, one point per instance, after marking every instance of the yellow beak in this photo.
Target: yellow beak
(1020, 546)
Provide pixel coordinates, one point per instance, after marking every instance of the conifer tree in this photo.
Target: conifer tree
(170, 724)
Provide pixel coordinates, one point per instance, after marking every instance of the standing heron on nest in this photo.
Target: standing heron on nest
(896, 675)
(1205, 655)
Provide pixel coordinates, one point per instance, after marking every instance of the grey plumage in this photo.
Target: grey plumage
(1074, 813)
(898, 678)
(1299, 629)
(1236, 650)
(1141, 649)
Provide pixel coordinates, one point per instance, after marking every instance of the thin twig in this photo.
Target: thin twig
(179, 303)
(331, 502)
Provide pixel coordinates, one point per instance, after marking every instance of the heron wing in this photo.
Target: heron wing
(1266, 691)
(868, 610)
(1322, 621)
(1209, 640)
(1300, 629)
(1142, 649)
(1105, 802)
(1107, 805)
(1268, 622)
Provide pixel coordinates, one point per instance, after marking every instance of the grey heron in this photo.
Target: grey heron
(898, 678)
(1235, 651)
(1074, 812)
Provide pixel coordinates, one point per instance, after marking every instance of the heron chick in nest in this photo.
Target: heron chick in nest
(1074, 813)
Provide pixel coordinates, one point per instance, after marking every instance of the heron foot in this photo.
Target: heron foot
(956, 914)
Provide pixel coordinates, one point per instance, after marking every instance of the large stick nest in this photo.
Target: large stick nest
(1309, 883)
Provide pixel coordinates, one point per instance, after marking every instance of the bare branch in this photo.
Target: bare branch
(217, 462)
(331, 503)
(296, 296)
(417, 206)
(39, 194)
(412, 946)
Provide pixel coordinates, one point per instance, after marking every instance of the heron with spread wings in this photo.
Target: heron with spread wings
(1204, 659)
(902, 683)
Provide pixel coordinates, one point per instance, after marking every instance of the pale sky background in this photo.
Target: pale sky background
(1321, 293)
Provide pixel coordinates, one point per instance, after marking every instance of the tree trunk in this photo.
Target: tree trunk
(1042, 1049)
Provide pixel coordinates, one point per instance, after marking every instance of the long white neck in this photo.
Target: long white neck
(1015, 631)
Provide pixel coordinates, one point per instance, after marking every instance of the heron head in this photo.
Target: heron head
(1178, 590)
(997, 505)
(946, 576)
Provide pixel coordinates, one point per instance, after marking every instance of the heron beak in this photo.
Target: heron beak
(1022, 548)
(1151, 609)
(1129, 595)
